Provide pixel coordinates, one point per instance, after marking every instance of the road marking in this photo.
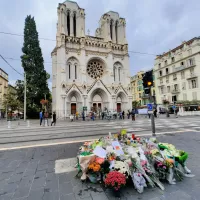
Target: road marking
(80, 141)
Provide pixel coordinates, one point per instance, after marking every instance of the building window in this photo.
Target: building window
(192, 71)
(140, 95)
(176, 87)
(68, 22)
(167, 71)
(173, 59)
(194, 95)
(174, 76)
(168, 89)
(75, 72)
(161, 81)
(184, 96)
(190, 52)
(167, 79)
(115, 74)
(74, 20)
(116, 31)
(111, 33)
(182, 75)
(159, 65)
(190, 62)
(162, 90)
(119, 71)
(160, 73)
(182, 63)
(165, 62)
(69, 71)
(183, 86)
(194, 83)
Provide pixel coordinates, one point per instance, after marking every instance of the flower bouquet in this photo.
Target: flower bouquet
(94, 172)
(115, 180)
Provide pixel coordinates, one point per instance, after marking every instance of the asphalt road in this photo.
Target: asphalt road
(79, 130)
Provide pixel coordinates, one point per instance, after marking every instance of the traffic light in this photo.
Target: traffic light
(147, 81)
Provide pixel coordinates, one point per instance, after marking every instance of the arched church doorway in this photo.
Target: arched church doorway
(74, 102)
(121, 101)
(97, 103)
(119, 104)
(99, 100)
(73, 105)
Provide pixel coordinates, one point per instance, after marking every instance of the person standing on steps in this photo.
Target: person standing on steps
(54, 119)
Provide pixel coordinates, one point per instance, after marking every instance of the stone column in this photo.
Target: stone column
(113, 33)
(71, 25)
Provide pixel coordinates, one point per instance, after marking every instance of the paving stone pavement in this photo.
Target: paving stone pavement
(29, 174)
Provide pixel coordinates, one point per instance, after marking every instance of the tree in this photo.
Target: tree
(33, 64)
(135, 104)
(11, 102)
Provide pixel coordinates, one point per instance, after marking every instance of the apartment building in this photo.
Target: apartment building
(177, 73)
(3, 87)
(138, 89)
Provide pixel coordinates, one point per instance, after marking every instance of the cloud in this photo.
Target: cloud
(152, 26)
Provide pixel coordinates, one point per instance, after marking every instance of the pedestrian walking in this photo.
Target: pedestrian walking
(176, 112)
(54, 119)
(128, 114)
(120, 115)
(133, 115)
(92, 116)
(41, 117)
(83, 115)
(46, 117)
(123, 114)
(102, 115)
(77, 115)
(155, 112)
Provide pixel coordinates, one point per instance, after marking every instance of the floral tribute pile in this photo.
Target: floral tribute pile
(116, 159)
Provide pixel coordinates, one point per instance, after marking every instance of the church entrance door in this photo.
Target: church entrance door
(73, 108)
(118, 107)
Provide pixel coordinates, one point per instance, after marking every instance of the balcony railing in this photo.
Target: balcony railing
(175, 91)
(192, 75)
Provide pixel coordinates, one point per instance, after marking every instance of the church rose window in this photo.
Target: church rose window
(95, 69)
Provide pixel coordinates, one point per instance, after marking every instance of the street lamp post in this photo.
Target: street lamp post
(24, 96)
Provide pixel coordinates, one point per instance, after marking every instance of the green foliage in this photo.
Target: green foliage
(33, 64)
(135, 104)
(11, 102)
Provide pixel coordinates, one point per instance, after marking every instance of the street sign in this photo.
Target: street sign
(85, 108)
(150, 106)
(150, 111)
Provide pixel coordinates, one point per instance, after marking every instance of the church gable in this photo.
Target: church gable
(73, 87)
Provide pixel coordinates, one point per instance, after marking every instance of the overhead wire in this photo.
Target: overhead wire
(10, 65)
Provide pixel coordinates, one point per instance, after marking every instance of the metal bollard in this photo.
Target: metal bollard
(28, 123)
(9, 124)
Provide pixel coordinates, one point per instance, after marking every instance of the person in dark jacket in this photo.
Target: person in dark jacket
(133, 115)
(54, 119)
(123, 115)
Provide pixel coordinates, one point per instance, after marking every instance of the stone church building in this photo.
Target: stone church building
(90, 72)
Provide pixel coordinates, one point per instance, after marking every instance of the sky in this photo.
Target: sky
(152, 26)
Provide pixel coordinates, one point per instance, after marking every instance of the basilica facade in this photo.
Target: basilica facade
(90, 72)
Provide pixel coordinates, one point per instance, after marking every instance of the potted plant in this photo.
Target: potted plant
(115, 180)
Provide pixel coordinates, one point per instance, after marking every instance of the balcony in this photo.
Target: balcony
(175, 91)
(192, 75)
